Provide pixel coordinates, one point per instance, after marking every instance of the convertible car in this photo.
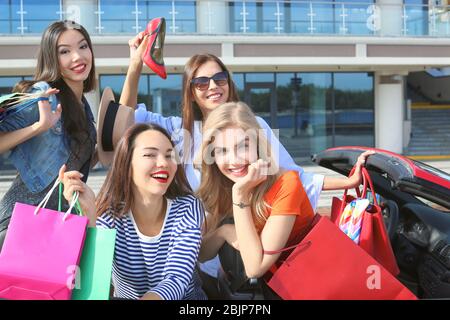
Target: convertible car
(415, 199)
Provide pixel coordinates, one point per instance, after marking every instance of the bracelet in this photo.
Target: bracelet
(241, 205)
(43, 99)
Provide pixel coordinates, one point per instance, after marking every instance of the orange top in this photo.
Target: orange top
(288, 197)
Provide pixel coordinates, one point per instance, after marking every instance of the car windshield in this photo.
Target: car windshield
(432, 170)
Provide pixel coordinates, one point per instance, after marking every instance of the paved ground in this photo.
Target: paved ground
(96, 179)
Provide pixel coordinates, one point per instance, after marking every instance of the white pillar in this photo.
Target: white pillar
(82, 12)
(391, 12)
(212, 17)
(157, 102)
(389, 112)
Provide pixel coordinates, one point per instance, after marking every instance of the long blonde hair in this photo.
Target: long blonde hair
(215, 189)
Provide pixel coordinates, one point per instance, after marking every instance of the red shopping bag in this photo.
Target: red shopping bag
(327, 264)
(374, 238)
(41, 252)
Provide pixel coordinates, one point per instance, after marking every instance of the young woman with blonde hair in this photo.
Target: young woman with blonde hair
(241, 180)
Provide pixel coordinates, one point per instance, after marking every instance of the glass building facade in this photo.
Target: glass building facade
(347, 17)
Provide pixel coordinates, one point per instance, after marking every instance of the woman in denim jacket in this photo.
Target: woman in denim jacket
(45, 136)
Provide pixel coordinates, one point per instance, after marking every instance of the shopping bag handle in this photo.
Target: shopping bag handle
(44, 201)
(298, 238)
(358, 191)
(367, 182)
(367, 178)
(77, 203)
(272, 252)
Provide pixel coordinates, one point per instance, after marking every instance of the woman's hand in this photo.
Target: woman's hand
(151, 296)
(72, 183)
(257, 173)
(47, 117)
(137, 47)
(356, 178)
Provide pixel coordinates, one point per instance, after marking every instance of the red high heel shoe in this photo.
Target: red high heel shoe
(153, 55)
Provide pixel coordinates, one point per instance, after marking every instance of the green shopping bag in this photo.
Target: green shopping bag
(93, 280)
(95, 265)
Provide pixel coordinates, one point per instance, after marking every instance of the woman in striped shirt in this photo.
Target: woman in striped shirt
(147, 199)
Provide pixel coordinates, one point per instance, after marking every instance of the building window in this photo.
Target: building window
(121, 16)
(416, 15)
(27, 16)
(314, 110)
(353, 17)
(124, 16)
(161, 96)
(304, 110)
(166, 95)
(303, 17)
(353, 109)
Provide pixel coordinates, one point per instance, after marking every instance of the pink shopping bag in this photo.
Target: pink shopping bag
(41, 252)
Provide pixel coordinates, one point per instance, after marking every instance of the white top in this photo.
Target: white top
(151, 239)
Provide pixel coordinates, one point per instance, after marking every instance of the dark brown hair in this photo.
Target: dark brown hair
(190, 109)
(48, 70)
(116, 193)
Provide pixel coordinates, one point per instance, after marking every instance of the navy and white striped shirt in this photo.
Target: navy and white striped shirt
(163, 264)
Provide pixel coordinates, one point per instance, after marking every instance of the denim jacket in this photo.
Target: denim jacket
(38, 159)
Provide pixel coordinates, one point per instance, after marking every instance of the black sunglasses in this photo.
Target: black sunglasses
(202, 83)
